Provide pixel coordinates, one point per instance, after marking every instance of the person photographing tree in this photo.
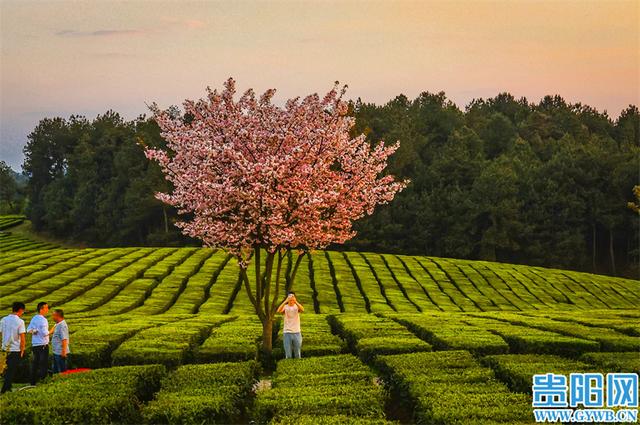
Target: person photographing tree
(292, 338)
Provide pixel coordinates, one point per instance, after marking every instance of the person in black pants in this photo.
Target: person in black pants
(39, 328)
(13, 341)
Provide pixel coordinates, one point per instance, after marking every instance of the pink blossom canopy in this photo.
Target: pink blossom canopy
(253, 174)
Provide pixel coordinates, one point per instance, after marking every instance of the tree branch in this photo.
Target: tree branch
(257, 266)
(292, 278)
(275, 295)
(267, 287)
(256, 305)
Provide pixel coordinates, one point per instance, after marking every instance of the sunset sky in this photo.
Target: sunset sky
(61, 58)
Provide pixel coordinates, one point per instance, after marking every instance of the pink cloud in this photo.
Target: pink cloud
(194, 23)
(98, 33)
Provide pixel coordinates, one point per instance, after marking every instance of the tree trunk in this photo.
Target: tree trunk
(611, 253)
(267, 335)
(166, 220)
(593, 246)
(260, 299)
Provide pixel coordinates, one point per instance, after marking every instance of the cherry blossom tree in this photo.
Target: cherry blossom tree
(258, 180)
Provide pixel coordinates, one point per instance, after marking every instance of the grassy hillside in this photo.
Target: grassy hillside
(191, 280)
(7, 221)
(433, 368)
(447, 341)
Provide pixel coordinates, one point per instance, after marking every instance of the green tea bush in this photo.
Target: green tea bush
(608, 339)
(57, 276)
(92, 345)
(162, 268)
(409, 284)
(442, 295)
(198, 286)
(507, 285)
(351, 294)
(203, 394)
(325, 386)
(480, 296)
(598, 319)
(374, 291)
(448, 332)
(499, 295)
(522, 339)
(517, 370)
(96, 288)
(536, 296)
(370, 335)
(103, 396)
(451, 387)
(7, 221)
(171, 286)
(220, 292)
(15, 244)
(328, 296)
(614, 362)
(26, 271)
(171, 344)
(233, 341)
(317, 339)
(329, 420)
(393, 292)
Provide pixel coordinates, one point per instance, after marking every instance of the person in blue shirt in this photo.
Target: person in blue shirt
(60, 342)
(39, 330)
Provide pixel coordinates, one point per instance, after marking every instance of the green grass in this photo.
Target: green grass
(10, 242)
(25, 231)
(99, 397)
(203, 394)
(517, 370)
(385, 338)
(191, 280)
(8, 221)
(452, 387)
(328, 386)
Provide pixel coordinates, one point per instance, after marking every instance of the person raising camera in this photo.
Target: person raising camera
(292, 338)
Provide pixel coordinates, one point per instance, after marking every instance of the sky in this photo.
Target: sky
(59, 58)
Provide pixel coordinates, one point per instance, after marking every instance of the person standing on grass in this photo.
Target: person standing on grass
(39, 329)
(292, 338)
(13, 341)
(59, 342)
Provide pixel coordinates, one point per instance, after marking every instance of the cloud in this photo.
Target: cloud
(112, 55)
(194, 23)
(98, 33)
(178, 24)
(169, 24)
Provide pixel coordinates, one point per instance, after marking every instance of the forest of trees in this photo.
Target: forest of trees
(89, 181)
(12, 190)
(506, 180)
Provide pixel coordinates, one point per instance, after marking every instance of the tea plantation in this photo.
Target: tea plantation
(171, 337)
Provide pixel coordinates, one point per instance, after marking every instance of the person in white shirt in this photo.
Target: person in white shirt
(39, 329)
(13, 341)
(291, 335)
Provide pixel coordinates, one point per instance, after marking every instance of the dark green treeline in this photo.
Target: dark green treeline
(507, 180)
(90, 181)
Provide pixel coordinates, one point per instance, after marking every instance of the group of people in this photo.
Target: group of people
(13, 331)
(12, 328)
